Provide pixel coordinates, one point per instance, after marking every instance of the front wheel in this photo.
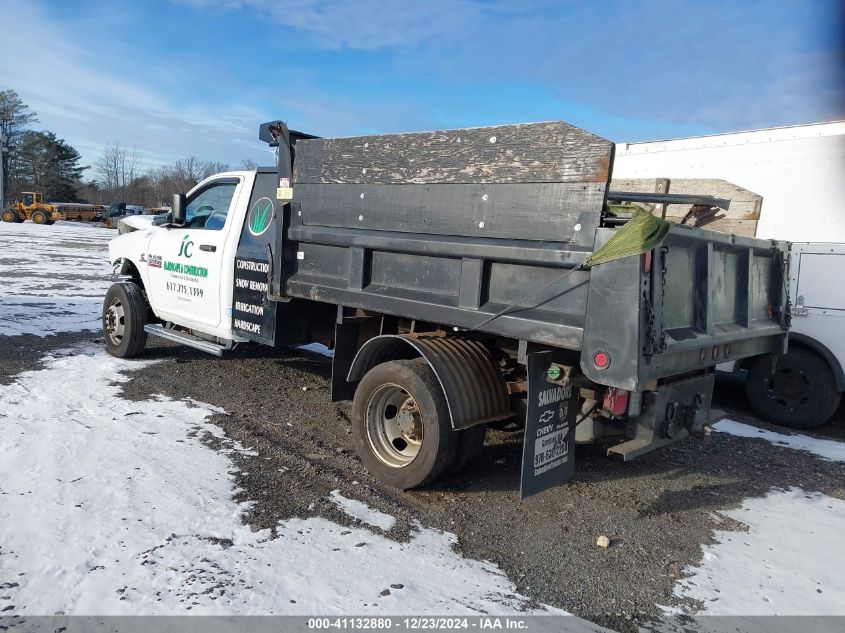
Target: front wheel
(401, 426)
(10, 216)
(798, 392)
(124, 317)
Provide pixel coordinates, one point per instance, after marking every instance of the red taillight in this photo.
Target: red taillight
(647, 262)
(615, 401)
(601, 360)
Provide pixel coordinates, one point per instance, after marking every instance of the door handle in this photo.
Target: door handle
(208, 247)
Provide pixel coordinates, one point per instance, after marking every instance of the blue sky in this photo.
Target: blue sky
(182, 77)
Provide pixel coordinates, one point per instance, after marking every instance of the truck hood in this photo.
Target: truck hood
(134, 223)
(130, 246)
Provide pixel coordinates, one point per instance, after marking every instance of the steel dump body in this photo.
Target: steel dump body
(455, 227)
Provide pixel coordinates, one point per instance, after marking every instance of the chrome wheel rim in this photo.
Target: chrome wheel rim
(394, 426)
(114, 321)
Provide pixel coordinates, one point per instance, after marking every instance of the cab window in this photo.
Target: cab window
(208, 209)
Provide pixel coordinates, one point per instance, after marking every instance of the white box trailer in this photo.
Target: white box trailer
(800, 173)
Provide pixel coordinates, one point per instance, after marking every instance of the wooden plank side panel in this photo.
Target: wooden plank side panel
(745, 228)
(745, 204)
(565, 212)
(534, 152)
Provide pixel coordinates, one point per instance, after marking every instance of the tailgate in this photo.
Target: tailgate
(703, 298)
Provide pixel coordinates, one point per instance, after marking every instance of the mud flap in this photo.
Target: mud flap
(548, 450)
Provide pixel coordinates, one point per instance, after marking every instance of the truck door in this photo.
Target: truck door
(185, 264)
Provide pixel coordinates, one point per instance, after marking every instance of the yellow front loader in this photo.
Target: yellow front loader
(32, 207)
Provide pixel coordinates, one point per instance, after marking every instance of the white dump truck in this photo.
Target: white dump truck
(463, 278)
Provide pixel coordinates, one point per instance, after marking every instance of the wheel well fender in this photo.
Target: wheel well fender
(127, 270)
(474, 387)
(808, 342)
(125, 267)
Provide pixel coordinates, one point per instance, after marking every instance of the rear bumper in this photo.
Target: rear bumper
(674, 411)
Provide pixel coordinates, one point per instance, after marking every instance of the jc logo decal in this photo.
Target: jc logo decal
(185, 247)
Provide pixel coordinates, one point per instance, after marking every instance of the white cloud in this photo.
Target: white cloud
(364, 24)
(67, 83)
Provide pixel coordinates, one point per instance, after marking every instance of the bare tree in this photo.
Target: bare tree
(118, 168)
(121, 179)
(212, 167)
(187, 172)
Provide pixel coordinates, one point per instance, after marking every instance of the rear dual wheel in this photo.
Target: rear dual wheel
(401, 426)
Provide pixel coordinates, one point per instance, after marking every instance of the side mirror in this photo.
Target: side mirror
(163, 219)
(178, 209)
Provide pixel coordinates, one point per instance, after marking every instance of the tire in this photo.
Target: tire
(800, 394)
(39, 217)
(9, 216)
(400, 424)
(124, 316)
(470, 447)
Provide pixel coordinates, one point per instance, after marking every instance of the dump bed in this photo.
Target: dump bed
(489, 229)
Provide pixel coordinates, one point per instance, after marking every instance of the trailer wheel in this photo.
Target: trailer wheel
(124, 316)
(801, 393)
(401, 426)
(39, 217)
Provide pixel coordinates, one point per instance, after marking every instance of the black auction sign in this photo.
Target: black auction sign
(548, 450)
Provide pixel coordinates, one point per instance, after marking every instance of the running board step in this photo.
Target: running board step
(184, 338)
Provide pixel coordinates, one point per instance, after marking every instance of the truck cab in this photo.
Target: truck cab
(187, 270)
(29, 198)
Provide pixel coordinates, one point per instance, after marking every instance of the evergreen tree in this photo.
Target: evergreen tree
(15, 117)
(49, 165)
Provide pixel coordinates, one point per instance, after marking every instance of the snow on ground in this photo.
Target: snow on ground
(117, 507)
(52, 278)
(318, 348)
(31, 315)
(826, 449)
(788, 562)
(362, 511)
